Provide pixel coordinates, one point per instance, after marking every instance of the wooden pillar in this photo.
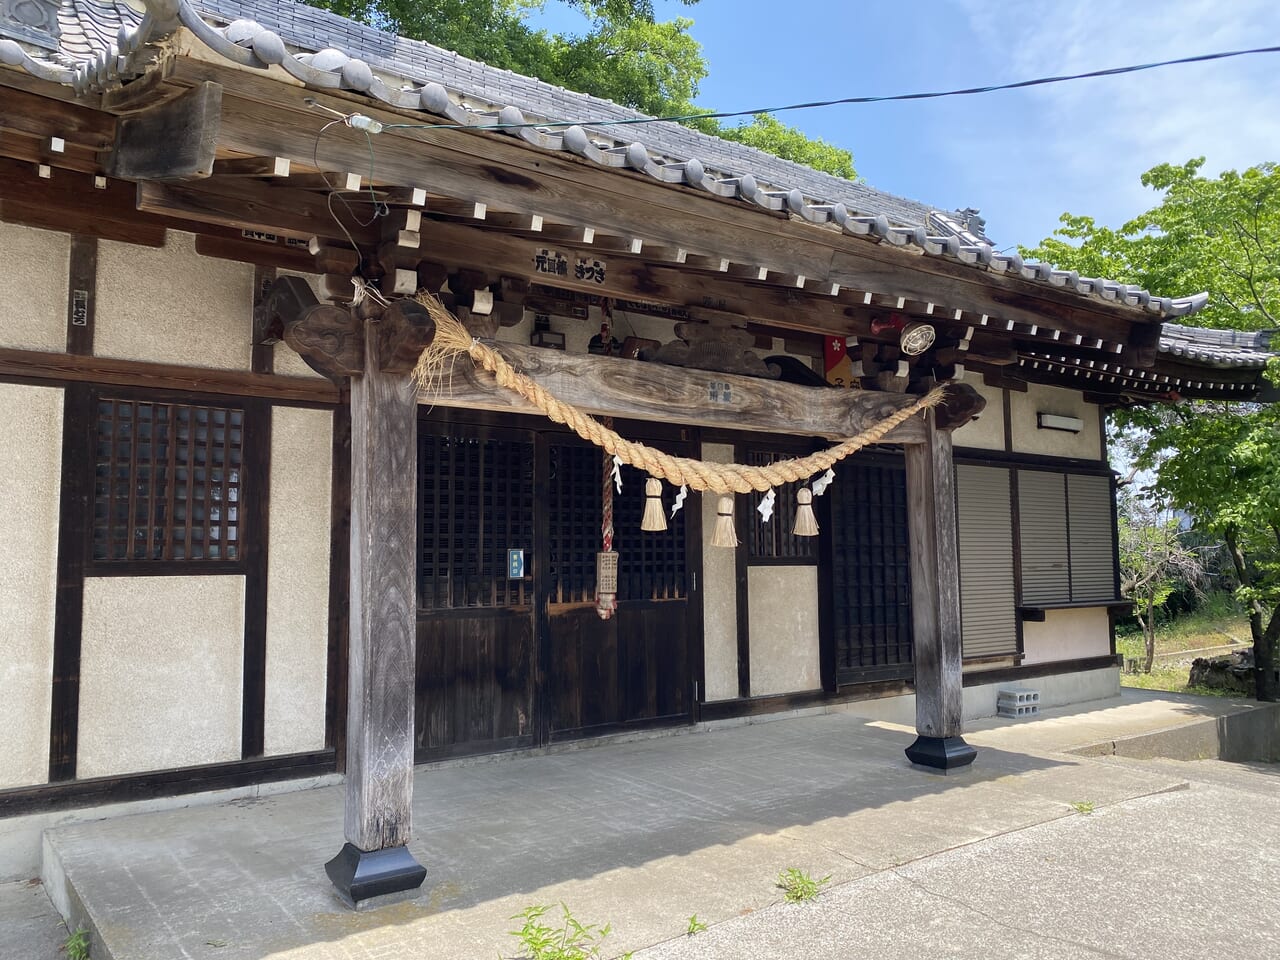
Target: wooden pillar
(935, 601)
(383, 611)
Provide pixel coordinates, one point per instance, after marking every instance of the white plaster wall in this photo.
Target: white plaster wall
(298, 579)
(161, 666)
(987, 432)
(33, 288)
(719, 597)
(30, 479)
(170, 305)
(1067, 635)
(1028, 438)
(782, 604)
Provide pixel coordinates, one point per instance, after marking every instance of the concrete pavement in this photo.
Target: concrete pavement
(645, 834)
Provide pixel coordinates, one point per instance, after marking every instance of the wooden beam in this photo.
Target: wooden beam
(174, 140)
(607, 386)
(380, 731)
(935, 602)
(62, 368)
(252, 205)
(81, 223)
(633, 279)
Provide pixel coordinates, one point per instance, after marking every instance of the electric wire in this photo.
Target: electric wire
(932, 95)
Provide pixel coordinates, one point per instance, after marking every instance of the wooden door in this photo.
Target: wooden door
(476, 651)
(870, 601)
(632, 670)
(506, 662)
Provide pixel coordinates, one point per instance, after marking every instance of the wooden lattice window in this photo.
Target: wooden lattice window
(167, 482)
(475, 504)
(871, 571)
(651, 566)
(773, 541)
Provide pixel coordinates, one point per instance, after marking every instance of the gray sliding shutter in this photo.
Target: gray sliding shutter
(984, 522)
(1092, 557)
(1042, 518)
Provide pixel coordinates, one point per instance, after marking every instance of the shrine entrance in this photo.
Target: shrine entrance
(511, 651)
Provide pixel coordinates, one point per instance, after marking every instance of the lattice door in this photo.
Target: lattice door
(476, 496)
(871, 572)
(651, 566)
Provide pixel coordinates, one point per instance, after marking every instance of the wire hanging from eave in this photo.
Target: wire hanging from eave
(889, 98)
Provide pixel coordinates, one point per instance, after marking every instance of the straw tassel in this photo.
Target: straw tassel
(724, 535)
(654, 519)
(806, 522)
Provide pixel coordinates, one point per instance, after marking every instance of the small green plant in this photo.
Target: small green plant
(1083, 806)
(76, 946)
(797, 886)
(695, 926)
(572, 940)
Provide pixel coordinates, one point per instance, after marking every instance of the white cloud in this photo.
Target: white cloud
(1082, 146)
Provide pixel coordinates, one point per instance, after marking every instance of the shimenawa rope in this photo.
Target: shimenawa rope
(452, 338)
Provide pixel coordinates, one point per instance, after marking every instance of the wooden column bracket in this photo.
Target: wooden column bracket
(403, 332)
(325, 336)
(963, 403)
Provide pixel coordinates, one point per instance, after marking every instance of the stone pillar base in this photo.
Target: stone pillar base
(943, 754)
(361, 875)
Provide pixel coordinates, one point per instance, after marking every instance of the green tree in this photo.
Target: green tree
(1219, 462)
(766, 132)
(1154, 562)
(624, 55)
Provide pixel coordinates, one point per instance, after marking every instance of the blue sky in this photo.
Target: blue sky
(1021, 157)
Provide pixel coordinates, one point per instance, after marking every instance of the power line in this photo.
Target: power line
(933, 95)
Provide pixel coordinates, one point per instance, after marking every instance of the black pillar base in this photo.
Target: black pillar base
(941, 753)
(359, 875)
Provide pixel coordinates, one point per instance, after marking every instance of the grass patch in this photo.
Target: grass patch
(1172, 678)
(695, 926)
(798, 887)
(1084, 807)
(1218, 622)
(76, 945)
(568, 940)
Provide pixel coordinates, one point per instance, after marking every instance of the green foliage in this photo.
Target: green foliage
(695, 926)
(624, 55)
(766, 132)
(571, 940)
(1153, 563)
(77, 945)
(1084, 807)
(798, 887)
(1218, 462)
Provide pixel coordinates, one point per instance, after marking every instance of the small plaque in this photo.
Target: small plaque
(80, 308)
(515, 564)
(607, 572)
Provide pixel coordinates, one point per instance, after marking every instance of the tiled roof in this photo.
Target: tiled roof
(325, 51)
(1217, 348)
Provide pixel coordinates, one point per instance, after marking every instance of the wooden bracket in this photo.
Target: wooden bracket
(962, 404)
(325, 336)
(174, 140)
(404, 331)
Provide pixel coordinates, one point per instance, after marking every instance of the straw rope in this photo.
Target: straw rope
(452, 339)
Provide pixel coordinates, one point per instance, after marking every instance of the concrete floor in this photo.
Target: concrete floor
(993, 862)
(30, 929)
